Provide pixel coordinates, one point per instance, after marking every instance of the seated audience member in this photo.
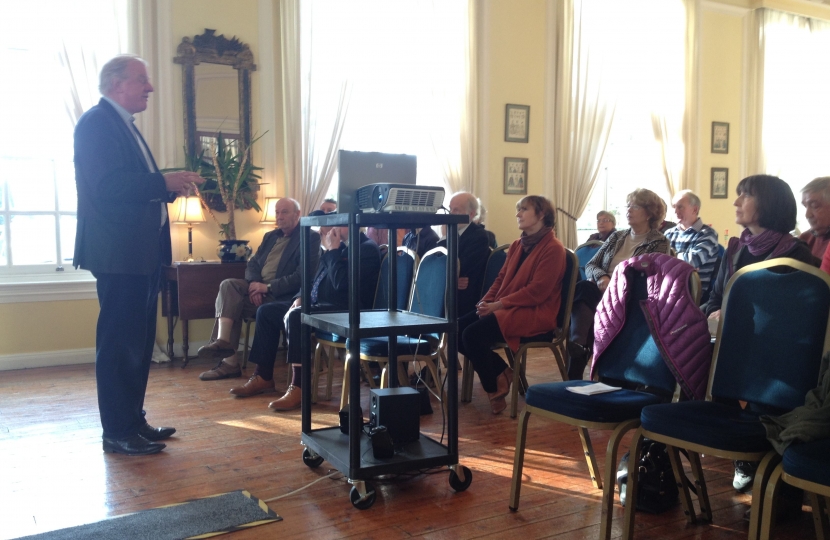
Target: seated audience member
(328, 206)
(767, 210)
(694, 242)
(329, 292)
(473, 251)
(273, 275)
(420, 240)
(815, 197)
(606, 224)
(523, 301)
(645, 213)
(482, 215)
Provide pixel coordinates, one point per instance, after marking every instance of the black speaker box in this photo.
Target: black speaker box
(399, 410)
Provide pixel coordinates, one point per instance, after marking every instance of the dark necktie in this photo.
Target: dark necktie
(315, 287)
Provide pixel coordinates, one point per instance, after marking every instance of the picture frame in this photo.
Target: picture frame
(516, 123)
(720, 183)
(720, 137)
(515, 176)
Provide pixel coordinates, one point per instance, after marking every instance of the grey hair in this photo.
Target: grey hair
(115, 70)
(472, 203)
(609, 215)
(293, 201)
(482, 211)
(819, 185)
(694, 200)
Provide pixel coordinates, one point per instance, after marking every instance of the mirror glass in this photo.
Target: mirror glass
(217, 103)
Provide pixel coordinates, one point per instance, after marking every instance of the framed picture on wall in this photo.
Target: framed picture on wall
(515, 176)
(720, 138)
(720, 183)
(516, 123)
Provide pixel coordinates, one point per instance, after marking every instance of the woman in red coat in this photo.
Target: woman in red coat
(523, 301)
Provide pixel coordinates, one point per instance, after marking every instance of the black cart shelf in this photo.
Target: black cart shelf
(352, 454)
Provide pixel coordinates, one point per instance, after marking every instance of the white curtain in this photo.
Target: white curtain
(792, 108)
(582, 111)
(315, 105)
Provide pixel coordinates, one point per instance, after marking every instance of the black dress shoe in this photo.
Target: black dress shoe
(132, 446)
(155, 434)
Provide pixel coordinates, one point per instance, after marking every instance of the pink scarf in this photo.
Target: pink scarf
(779, 243)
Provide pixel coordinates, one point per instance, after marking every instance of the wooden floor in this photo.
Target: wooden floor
(53, 473)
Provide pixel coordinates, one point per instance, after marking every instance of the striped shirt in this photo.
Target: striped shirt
(698, 246)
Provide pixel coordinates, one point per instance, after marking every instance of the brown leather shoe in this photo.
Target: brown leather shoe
(216, 350)
(255, 385)
(223, 370)
(290, 401)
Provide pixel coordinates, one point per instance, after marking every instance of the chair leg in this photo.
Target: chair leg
(631, 486)
(559, 356)
(315, 371)
(514, 391)
(682, 482)
(610, 476)
(763, 476)
(768, 508)
(246, 350)
(331, 356)
(344, 392)
(467, 381)
(590, 457)
(519, 460)
(820, 519)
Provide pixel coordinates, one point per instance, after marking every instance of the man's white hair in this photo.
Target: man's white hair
(115, 70)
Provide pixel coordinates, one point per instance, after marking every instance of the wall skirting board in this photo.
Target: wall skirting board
(79, 356)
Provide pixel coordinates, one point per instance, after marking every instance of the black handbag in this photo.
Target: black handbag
(657, 490)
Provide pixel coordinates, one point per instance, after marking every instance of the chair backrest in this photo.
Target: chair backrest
(430, 288)
(405, 267)
(585, 253)
(772, 334)
(494, 264)
(633, 355)
(569, 279)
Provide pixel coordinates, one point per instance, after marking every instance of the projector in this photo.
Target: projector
(376, 198)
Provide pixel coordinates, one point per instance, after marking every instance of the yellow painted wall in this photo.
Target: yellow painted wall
(514, 51)
(47, 326)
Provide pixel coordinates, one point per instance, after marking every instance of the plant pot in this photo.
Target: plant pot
(233, 251)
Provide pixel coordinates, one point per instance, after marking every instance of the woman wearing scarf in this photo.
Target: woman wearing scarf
(766, 208)
(523, 301)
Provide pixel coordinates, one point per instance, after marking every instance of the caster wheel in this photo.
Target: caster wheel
(354, 495)
(312, 462)
(456, 482)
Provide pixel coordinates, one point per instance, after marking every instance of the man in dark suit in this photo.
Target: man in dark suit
(123, 238)
(473, 251)
(329, 292)
(274, 274)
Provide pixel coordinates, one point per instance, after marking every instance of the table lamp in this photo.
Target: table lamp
(189, 212)
(269, 211)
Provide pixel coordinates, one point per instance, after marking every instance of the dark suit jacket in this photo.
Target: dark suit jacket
(119, 199)
(333, 292)
(421, 242)
(289, 277)
(473, 252)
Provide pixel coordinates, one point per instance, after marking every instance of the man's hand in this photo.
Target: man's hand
(297, 302)
(603, 282)
(463, 283)
(257, 292)
(332, 239)
(182, 182)
(486, 308)
(715, 315)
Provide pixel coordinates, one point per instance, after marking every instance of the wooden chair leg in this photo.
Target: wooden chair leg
(590, 457)
(610, 476)
(763, 475)
(820, 518)
(768, 507)
(246, 350)
(315, 371)
(682, 483)
(518, 460)
(514, 390)
(344, 392)
(331, 356)
(559, 355)
(631, 486)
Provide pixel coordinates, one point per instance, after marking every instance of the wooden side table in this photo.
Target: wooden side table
(190, 291)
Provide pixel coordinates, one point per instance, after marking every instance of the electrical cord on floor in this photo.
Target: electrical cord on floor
(301, 489)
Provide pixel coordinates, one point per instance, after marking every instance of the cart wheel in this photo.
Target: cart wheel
(311, 461)
(354, 495)
(457, 484)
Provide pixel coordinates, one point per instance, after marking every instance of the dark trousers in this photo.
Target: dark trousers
(269, 327)
(124, 340)
(477, 336)
(293, 330)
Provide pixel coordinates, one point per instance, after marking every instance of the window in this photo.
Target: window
(40, 43)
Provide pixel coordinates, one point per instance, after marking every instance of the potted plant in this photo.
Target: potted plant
(231, 184)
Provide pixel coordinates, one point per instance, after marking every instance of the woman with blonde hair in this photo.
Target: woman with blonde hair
(645, 212)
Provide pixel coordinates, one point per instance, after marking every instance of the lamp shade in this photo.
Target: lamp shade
(189, 210)
(269, 210)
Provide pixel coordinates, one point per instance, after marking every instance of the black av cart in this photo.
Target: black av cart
(352, 454)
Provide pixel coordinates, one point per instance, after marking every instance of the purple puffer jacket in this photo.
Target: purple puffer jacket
(678, 325)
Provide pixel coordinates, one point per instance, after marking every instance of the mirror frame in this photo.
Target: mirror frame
(212, 49)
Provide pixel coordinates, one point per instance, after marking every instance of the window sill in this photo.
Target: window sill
(76, 285)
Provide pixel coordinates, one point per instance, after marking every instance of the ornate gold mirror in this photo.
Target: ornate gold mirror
(216, 90)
